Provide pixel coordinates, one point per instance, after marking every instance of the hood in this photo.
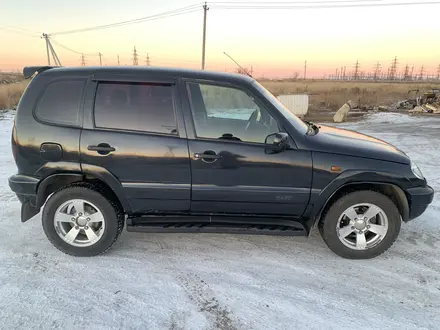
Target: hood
(351, 143)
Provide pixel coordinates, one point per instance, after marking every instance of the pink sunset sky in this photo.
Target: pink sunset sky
(275, 42)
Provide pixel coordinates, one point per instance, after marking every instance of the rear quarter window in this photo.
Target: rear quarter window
(61, 102)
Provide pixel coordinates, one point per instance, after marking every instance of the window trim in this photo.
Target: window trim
(131, 82)
(129, 78)
(226, 85)
(79, 122)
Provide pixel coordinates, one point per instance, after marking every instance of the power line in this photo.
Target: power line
(290, 2)
(323, 5)
(175, 12)
(71, 50)
(18, 30)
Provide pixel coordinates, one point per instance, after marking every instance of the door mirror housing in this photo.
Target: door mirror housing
(277, 142)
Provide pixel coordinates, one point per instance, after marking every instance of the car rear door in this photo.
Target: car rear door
(233, 169)
(134, 134)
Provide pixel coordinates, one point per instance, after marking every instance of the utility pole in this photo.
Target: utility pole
(344, 71)
(135, 56)
(406, 73)
(83, 60)
(438, 72)
(119, 63)
(305, 70)
(337, 73)
(356, 70)
(422, 72)
(52, 51)
(393, 69)
(46, 37)
(100, 59)
(205, 11)
(147, 61)
(377, 71)
(252, 70)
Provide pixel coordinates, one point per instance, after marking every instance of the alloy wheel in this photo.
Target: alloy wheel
(362, 226)
(79, 223)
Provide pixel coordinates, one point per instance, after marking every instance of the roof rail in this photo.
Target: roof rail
(28, 71)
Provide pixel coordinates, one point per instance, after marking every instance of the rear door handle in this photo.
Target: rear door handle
(102, 148)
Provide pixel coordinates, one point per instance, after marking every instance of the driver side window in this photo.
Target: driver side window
(228, 113)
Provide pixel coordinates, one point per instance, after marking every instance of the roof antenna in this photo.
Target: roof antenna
(245, 71)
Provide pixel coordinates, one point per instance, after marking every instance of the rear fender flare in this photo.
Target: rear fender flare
(110, 180)
(59, 180)
(54, 182)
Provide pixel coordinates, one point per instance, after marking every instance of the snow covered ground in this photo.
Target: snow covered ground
(190, 281)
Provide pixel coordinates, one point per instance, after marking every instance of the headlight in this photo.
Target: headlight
(416, 171)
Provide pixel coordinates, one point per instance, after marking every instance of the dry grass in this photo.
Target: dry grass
(327, 94)
(333, 94)
(10, 94)
(11, 76)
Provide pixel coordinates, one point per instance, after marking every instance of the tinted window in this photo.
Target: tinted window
(135, 106)
(61, 102)
(228, 113)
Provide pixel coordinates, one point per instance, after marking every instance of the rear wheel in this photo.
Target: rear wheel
(81, 221)
(361, 225)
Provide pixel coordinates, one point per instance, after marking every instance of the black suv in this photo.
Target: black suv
(167, 150)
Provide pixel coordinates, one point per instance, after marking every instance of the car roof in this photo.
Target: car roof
(138, 70)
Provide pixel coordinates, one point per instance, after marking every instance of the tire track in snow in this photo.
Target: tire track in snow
(203, 297)
(200, 294)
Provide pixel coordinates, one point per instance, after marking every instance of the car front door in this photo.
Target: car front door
(233, 168)
(133, 133)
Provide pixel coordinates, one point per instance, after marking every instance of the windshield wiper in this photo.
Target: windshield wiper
(313, 128)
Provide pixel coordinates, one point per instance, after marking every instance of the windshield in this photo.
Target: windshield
(289, 115)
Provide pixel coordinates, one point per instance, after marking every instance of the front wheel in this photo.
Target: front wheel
(361, 225)
(81, 221)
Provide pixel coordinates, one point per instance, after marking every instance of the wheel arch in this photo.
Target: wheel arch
(103, 179)
(391, 190)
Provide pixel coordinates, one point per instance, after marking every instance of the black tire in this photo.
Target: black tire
(113, 217)
(328, 224)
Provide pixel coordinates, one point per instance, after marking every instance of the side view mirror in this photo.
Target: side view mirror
(277, 142)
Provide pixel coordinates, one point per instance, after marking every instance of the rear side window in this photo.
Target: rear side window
(61, 102)
(136, 107)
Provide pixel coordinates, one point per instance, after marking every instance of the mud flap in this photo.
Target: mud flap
(28, 211)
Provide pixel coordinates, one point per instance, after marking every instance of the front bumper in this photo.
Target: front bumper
(25, 187)
(419, 198)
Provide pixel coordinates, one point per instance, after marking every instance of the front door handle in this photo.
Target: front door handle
(102, 148)
(208, 156)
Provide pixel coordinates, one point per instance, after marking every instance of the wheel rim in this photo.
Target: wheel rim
(362, 226)
(79, 222)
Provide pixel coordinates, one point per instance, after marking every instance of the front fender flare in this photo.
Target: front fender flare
(320, 198)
